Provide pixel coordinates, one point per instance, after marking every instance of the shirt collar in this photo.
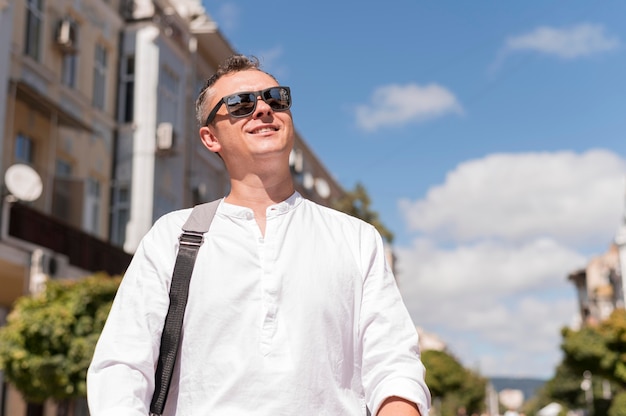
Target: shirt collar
(280, 208)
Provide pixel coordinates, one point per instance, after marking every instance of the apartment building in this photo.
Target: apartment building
(58, 75)
(600, 285)
(59, 83)
(6, 27)
(97, 123)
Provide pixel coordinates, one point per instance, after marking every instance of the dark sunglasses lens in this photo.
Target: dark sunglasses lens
(243, 104)
(240, 105)
(278, 98)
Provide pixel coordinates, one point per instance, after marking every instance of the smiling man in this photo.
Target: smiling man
(292, 308)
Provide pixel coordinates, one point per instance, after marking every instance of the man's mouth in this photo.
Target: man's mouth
(263, 130)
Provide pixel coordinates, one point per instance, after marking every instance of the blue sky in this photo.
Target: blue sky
(491, 136)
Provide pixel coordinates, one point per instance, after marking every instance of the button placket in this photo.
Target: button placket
(269, 284)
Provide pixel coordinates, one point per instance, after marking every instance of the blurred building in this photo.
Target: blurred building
(429, 341)
(511, 399)
(620, 242)
(98, 138)
(58, 70)
(600, 285)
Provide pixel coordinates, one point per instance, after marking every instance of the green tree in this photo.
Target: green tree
(618, 407)
(358, 204)
(599, 349)
(49, 339)
(563, 388)
(452, 385)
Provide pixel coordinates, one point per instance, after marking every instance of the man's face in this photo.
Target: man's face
(262, 135)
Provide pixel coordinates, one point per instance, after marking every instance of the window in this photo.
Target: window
(64, 193)
(70, 57)
(168, 95)
(92, 206)
(128, 89)
(121, 215)
(34, 18)
(63, 168)
(23, 149)
(170, 80)
(68, 76)
(169, 86)
(99, 77)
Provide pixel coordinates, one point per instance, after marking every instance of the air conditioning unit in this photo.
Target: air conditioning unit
(165, 136)
(67, 35)
(54, 265)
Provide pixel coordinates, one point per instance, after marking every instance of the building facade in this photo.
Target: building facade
(600, 285)
(58, 75)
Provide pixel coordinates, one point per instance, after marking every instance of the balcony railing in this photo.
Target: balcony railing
(83, 250)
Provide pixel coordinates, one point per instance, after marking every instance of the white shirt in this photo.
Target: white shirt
(306, 320)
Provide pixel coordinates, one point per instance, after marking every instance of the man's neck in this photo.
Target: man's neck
(255, 193)
(268, 182)
(258, 194)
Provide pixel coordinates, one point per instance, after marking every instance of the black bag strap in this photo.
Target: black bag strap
(191, 239)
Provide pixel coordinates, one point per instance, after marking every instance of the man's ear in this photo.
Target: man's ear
(209, 139)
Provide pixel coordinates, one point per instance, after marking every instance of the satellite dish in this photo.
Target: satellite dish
(322, 188)
(23, 182)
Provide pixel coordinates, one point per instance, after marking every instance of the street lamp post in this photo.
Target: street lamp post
(587, 387)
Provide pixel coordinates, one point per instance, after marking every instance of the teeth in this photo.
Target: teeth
(263, 130)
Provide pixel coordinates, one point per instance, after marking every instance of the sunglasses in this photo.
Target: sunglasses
(243, 104)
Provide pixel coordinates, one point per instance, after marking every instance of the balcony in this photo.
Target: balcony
(83, 250)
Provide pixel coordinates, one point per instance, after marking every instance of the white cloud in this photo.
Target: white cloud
(495, 269)
(493, 304)
(495, 288)
(400, 104)
(566, 196)
(574, 42)
(524, 340)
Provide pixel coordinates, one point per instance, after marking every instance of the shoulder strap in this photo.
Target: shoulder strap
(191, 239)
(201, 217)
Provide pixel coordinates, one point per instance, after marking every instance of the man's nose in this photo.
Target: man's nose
(262, 108)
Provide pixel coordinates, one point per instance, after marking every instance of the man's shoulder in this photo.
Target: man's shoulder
(335, 214)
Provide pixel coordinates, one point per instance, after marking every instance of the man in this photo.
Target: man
(292, 308)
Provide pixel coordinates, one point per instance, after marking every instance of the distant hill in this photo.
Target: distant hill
(529, 386)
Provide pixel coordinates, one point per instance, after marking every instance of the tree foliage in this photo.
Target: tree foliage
(601, 350)
(49, 339)
(453, 385)
(618, 407)
(358, 204)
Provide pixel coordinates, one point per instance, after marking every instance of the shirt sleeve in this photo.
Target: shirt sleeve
(391, 363)
(120, 379)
